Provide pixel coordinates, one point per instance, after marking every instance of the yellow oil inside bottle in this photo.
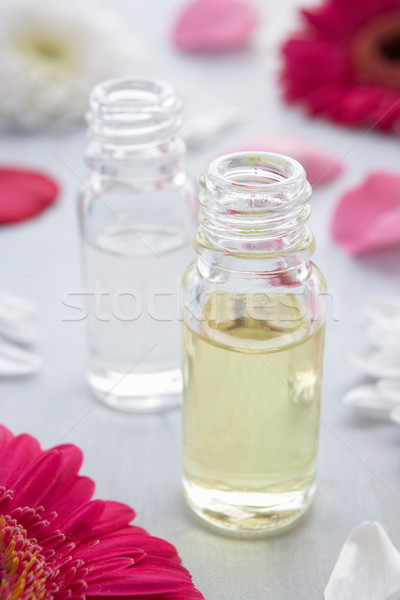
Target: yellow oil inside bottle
(251, 406)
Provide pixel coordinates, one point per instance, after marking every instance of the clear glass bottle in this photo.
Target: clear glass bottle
(137, 212)
(253, 338)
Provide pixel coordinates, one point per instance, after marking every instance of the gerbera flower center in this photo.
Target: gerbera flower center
(391, 49)
(46, 52)
(376, 51)
(23, 569)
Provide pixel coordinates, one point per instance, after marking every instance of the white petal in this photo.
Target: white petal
(15, 314)
(21, 332)
(395, 415)
(384, 362)
(205, 115)
(15, 361)
(14, 307)
(385, 335)
(383, 306)
(209, 123)
(368, 399)
(368, 567)
(389, 389)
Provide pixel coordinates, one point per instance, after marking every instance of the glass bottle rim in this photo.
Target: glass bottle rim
(134, 109)
(255, 204)
(123, 92)
(263, 172)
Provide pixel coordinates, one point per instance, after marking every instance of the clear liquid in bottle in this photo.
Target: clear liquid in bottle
(133, 316)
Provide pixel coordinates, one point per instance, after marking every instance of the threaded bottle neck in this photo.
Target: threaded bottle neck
(133, 126)
(133, 111)
(255, 205)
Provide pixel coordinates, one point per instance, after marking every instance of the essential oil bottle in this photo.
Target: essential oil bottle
(137, 218)
(252, 347)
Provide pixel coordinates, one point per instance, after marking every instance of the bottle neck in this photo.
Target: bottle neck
(133, 131)
(254, 206)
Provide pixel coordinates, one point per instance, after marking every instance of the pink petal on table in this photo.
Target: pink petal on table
(24, 194)
(320, 166)
(368, 216)
(214, 25)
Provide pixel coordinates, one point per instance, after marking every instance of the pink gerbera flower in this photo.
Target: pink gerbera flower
(344, 63)
(57, 543)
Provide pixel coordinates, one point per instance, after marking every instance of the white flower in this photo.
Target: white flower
(52, 52)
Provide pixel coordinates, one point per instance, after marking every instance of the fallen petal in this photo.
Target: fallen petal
(389, 389)
(206, 115)
(15, 361)
(24, 194)
(367, 216)
(395, 415)
(386, 306)
(381, 364)
(15, 308)
(368, 567)
(214, 25)
(385, 335)
(320, 166)
(370, 400)
(207, 124)
(21, 332)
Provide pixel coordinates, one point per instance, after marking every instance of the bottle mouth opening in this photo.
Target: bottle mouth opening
(134, 108)
(258, 172)
(257, 202)
(130, 94)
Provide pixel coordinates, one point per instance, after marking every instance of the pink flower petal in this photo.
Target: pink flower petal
(24, 194)
(187, 594)
(214, 25)
(78, 526)
(107, 567)
(150, 544)
(368, 216)
(150, 576)
(115, 516)
(6, 437)
(320, 166)
(79, 492)
(114, 546)
(71, 458)
(35, 483)
(19, 454)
